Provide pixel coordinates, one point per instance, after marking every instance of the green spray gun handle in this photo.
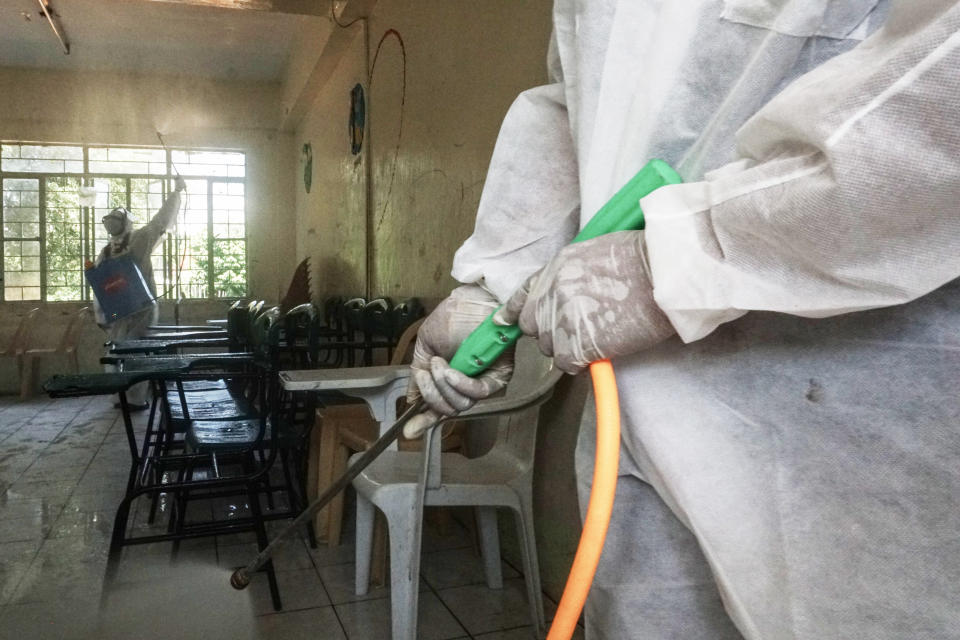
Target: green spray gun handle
(621, 213)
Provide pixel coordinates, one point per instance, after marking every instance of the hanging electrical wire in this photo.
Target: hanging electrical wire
(403, 100)
(333, 16)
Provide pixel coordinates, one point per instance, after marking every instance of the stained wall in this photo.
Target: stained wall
(331, 218)
(388, 220)
(434, 108)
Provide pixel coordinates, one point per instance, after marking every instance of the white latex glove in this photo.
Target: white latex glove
(445, 390)
(593, 300)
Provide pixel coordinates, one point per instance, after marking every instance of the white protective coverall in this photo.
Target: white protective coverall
(139, 244)
(808, 459)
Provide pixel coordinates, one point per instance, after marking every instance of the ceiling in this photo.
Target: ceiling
(250, 41)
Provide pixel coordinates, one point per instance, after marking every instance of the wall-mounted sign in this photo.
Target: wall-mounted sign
(306, 155)
(358, 116)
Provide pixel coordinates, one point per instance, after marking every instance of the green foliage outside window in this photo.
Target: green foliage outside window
(46, 243)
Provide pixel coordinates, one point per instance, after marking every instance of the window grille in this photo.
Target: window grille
(47, 234)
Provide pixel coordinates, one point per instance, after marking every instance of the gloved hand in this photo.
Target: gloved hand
(593, 300)
(179, 184)
(446, 390)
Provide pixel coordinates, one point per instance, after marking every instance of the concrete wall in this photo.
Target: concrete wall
(331, 219)
(465, 63)
(56, 106)
(394, 224)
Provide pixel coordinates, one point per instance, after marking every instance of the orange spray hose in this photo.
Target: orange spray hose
(601, 502)
(482, 347)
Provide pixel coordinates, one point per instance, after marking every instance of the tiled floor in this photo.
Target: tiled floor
(62, 471)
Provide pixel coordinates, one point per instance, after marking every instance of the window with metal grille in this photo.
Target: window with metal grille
(47, 233)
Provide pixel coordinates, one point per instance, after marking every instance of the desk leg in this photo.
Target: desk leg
(152, 429)
(313, 469)
(123, 511)
(151, 439)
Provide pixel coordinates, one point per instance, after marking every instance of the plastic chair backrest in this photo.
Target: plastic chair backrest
(406, 313)
(300, 326)
(71, 336)
(256, 308)
(302, 317)
(238, 323)
(331, 312)
(20, 340)
(377, 319)
(265, 335)
(352, 311)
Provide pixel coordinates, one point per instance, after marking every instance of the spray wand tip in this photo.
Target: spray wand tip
(240, 579)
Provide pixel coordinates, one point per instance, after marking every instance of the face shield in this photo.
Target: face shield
(115, 222)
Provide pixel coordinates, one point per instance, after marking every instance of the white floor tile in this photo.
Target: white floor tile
(53, 472)
(370, 620)
(15, 560)
(457, 537)
(483, 610)
(56, 582)
(522, 633)
(290, 555)
(300, 589)
(307, 624)
(25, 529)
(340, 581)
(82, 523)
(68, 620)
(195, 601)
(40, 489)
(47, 508)
(324, 556)
(457, 568)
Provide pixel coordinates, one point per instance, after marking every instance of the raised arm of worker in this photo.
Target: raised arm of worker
(844, 199)
(144, 239)
(528, 210)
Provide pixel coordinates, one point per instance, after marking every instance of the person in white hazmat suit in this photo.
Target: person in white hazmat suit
(138, 244)
(785, 331)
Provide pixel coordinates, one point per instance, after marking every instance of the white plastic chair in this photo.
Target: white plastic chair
(503, 477)
(67, 348)
(18, 345)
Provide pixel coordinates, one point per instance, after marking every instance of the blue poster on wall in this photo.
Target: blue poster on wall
(119, 287)
(358, 118)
